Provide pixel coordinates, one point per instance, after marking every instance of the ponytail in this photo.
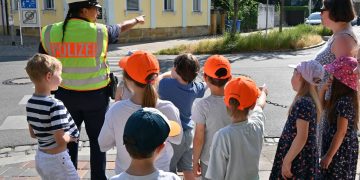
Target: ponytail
(73, 12)
(68, 17)
(150, 94)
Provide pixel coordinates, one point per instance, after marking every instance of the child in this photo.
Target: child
(181, 90)
(49, 121)
(340, 142)
(210, 113)
(122, 91)
(144, 137)
(140, 72)
(235, 149)
(297, 156)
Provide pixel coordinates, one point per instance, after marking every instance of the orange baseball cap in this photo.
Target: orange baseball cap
(242, 89)
(214, 63)
(122, 62)
(140, 65)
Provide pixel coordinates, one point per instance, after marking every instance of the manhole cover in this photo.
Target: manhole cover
(17, 81)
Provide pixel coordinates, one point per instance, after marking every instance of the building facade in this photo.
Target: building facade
(164, 19)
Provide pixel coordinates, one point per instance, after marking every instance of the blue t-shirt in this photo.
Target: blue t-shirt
(182, 96)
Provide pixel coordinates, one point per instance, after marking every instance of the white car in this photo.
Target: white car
(313, 19)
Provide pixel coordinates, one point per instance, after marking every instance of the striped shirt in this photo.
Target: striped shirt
(45, 115)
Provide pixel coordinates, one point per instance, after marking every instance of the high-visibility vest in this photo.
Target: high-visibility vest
(82, 53)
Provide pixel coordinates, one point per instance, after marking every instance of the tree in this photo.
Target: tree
(235, 17)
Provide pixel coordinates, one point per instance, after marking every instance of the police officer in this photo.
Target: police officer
(81, 44)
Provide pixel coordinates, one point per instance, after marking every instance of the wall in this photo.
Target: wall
(121, 14)
(166, 18)
(262, 16)
(197, 18)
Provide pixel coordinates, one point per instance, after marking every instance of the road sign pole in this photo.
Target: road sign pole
(20, 21)
(38, 16)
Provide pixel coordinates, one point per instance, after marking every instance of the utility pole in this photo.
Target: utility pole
(310, 4)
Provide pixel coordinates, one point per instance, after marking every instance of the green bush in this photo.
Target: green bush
(248, 13)
(297, 37)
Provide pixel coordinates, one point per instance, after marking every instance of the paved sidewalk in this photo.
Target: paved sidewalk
(21, 165)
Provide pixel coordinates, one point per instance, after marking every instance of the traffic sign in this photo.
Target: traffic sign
(28, 4)
(29, 17)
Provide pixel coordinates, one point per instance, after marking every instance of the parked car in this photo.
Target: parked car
(313, 19)
(356, 21)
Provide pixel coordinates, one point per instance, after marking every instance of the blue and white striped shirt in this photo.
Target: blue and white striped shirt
(45, 115)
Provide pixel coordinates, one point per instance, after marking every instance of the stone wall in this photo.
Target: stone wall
(148, 34)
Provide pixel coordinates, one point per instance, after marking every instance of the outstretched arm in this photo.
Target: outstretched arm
(128, 24)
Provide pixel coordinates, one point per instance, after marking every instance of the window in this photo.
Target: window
(15, 5)
(49, 4)
(169, 5)
(132, 5)
(196, 5)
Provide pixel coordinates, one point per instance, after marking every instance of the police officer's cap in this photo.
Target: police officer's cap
(83, 4)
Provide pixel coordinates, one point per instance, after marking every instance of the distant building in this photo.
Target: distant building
(165, 19)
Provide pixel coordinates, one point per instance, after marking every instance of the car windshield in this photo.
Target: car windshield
(314, 16)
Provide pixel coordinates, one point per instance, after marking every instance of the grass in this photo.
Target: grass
(294, 38)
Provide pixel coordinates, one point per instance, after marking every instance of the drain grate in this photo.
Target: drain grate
(17, 81)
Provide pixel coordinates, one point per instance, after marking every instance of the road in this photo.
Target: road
(269, 68)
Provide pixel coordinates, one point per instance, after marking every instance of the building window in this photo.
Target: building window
(196, 5)
(132, 5)
(169, 5)
(15, 5)
(49, 4)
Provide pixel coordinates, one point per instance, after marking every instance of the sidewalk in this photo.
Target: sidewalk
(16, 164)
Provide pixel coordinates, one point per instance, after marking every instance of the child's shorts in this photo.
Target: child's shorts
(55, 166)
(182, 158)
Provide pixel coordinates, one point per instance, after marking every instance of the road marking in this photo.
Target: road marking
(14, 122)
(25, 99)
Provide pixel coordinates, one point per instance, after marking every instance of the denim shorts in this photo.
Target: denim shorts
(182, 158)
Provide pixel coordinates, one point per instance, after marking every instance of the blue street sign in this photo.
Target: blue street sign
(28, 4)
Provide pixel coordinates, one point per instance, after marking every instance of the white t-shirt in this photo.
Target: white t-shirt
(235, 150)
(113, 129)
(157, 175)
(211, 112)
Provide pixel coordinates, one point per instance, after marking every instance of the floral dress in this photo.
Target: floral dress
(324, 57)
(343, 164)
(305, 164)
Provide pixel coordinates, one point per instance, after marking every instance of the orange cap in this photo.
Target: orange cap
(140, 65)
(214, 63)
(242, 89)
(122, 62)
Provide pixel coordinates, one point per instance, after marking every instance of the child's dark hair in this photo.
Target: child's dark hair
(187, 67)
(233, 110)
(150, 96)
(134, 152)
(339, 90)
(218, 82)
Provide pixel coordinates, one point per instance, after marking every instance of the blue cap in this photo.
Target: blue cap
(148, 128)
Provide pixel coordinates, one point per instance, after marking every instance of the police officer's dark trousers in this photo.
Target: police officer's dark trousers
(90, 107)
